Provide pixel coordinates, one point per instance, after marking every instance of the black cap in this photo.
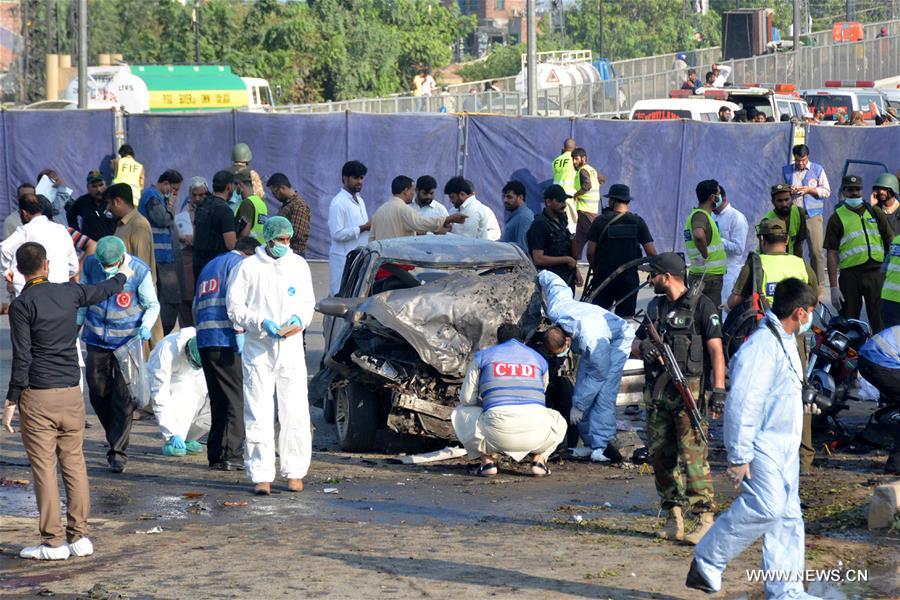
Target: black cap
(242, 175)
(780, 187)
(854, 180)
(619, 191)
(556, 192)
(667, 262)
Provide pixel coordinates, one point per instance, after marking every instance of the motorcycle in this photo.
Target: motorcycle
(832, 372)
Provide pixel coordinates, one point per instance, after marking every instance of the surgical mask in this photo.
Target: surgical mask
(236, 197)
(111, 270)
(719, 200)
(853, 202)
(804, 327)
(278, 249)
(564, 353)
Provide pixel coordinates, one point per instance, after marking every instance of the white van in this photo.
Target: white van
(665, 109)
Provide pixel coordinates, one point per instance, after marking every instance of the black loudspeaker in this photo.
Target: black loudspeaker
(737, 34)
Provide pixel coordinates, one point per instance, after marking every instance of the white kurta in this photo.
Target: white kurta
(733, 231)
(265, 288)
(481, 223)
(345, 214)
(56, 241)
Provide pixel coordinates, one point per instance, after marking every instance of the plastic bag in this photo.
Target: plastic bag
(130, 357)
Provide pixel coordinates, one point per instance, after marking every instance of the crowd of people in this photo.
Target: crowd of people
(120, 266)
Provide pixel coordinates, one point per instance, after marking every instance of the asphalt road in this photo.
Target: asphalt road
(365, 527)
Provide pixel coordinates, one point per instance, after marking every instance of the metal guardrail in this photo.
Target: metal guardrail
(504, 103)
(869, 59)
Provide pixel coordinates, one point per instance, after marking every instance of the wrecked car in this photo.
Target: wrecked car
(409, 316)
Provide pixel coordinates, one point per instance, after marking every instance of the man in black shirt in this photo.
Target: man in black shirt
(214, 231)
(88, 213)
(549, 241)
(44, 384)
(615, 238)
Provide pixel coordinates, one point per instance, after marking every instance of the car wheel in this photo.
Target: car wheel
(355, 417)
(328, 408)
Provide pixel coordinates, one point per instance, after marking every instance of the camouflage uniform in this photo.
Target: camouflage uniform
(677, 455)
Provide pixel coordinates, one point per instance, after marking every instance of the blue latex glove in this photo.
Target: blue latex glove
(294, 320)
(144, 333)
(239, 340)
(177, 442)
(271, 327)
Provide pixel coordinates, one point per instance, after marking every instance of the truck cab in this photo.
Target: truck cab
(259, 93)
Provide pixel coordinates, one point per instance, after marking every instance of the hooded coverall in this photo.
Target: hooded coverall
(603, 342)
(763, 424)
(265, 288)
(177, 390)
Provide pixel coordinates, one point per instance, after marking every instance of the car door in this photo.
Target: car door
(350, 284)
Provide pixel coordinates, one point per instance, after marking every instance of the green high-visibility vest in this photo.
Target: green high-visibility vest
(861, 240)
(589, 202)
(564, 172)
(714, 263)
(778, 267)
(793, 225)
(260, 216)
(891, 288)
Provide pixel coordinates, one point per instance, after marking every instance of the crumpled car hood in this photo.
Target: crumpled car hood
(448, 320)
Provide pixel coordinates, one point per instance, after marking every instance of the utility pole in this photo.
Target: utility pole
(600, 48)
(82, 54)
(196, 16)
(531, 67)
(796, 27)
(848, 9)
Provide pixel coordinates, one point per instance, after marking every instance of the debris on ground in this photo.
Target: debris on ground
(330, 491)
(11, 482)
(429, 457)
(156, 529)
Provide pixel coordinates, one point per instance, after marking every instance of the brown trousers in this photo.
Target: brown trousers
(52, 423)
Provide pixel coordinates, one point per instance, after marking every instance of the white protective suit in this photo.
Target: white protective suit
(177, 390)
(602, 340)
(277, 289)
(763, 425)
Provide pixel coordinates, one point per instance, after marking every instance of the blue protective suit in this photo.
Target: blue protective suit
(603, 342)
(763, 426)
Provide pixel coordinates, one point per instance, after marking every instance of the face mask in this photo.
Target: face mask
(853, 202)
(564, 352)
(804, 327)
(111, 270)
(719, 201)
(236, 197)
(278, 249)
